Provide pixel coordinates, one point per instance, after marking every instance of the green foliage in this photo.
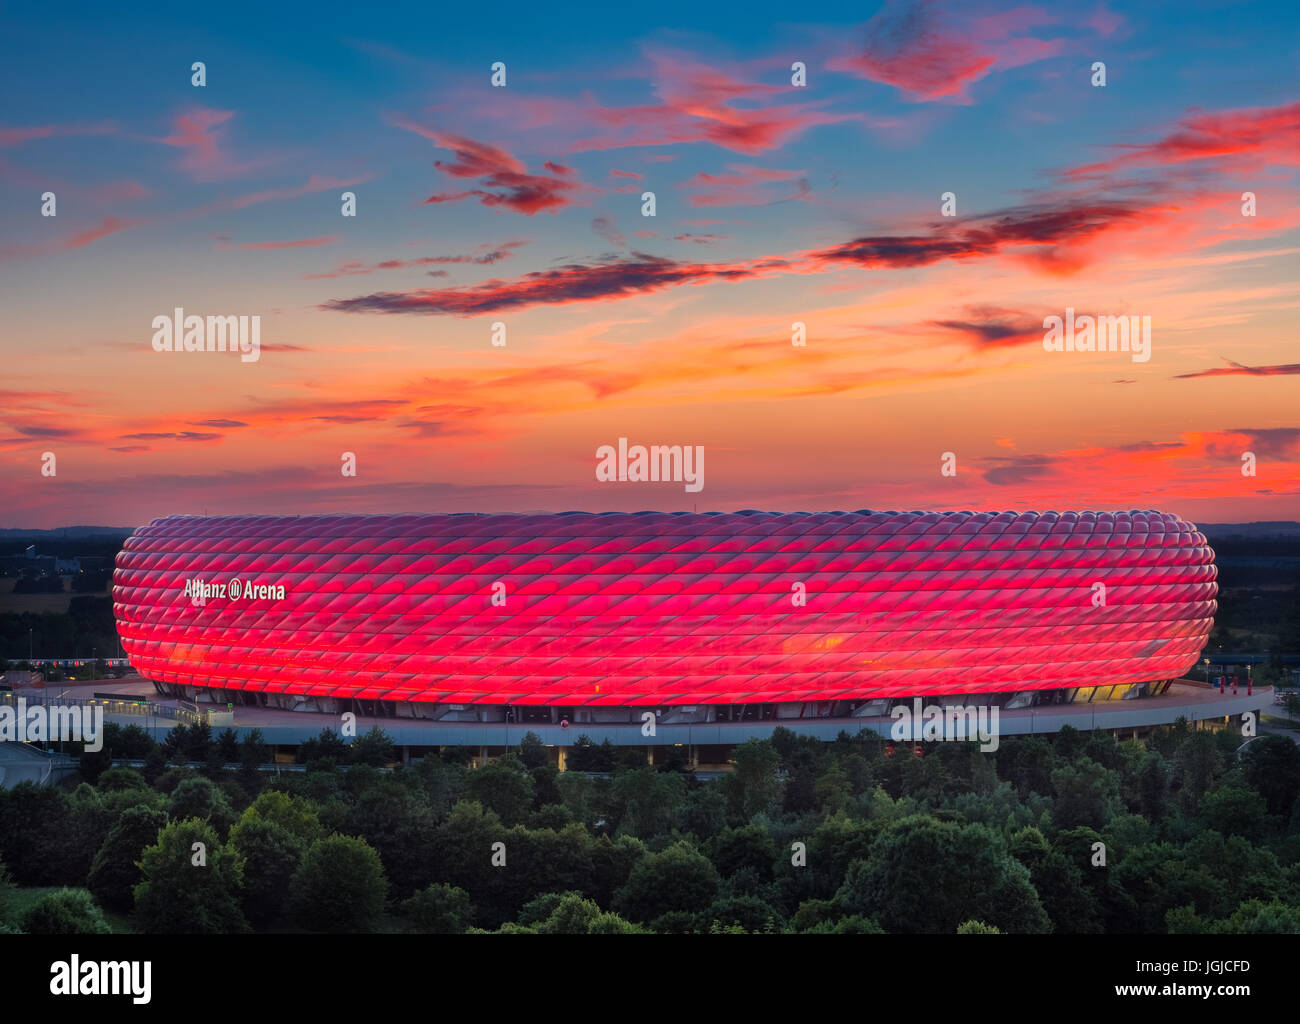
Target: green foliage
(6, 891)
(503, 786)
(325, 750)
(439, 909)
(48, 837)
(115, 872)
(647, 801)
(1201, 835)
(374, 748)
(271, 855)
(292, 813)
(977, 928)
(585, 756)
(197, 797)
(187, 890)
(1271, 765)
(64, 912)
(753, 788)
(678, 879)
(532, 751)
(339, 886)
(923, 875)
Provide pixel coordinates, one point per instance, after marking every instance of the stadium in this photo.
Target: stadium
(584, 619)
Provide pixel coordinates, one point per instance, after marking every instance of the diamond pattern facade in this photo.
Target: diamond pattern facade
(655, 608)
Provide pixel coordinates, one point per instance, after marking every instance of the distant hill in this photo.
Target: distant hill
(69, 531)
(1281, 528)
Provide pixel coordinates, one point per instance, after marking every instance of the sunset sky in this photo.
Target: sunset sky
(774, 204)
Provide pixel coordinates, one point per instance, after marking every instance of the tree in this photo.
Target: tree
(189, 890)
(7, 890)
(64, 912)
(1153, 786)
(374, 748)
(271, 855)
(704, 813)
(800, 791)
(855, 924)
(503, 786)
(327, 749)
(197, 797)
(1233, 809)
(648, 801)
(576, 792)
(114, 873)
(751, 913)
(115, 780)
(439, 909)
(573, 915)
(1086, 794)
(1272, 767)
(977, 928)
(1255, 917)
(48, 837)
(1197, 766)
(585, 756)
(392, 816)
(292, 813)
(532, 751)
(925, 875)
(188, 743)
(678, 879)
(1069, 903)
(753, 788)
(339, 886)
(750, 846)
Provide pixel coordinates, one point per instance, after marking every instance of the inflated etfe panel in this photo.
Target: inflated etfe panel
(664, 608)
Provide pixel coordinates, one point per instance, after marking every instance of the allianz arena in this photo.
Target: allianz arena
(589, 616)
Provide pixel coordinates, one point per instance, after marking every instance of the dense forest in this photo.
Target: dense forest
(1189, 831)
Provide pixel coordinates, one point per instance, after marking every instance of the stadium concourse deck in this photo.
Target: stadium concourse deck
(1186, 698)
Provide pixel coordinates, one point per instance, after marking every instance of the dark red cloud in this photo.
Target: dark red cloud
(173, 435)
(1019, 469)
(639, 274)
(1037, 230)
(492, 254)
(504, 180)
(41, 433)
(1276, 442)
(702, 102)
(1258, 135)
(1239, 369)
(989, 327)
(932, 53)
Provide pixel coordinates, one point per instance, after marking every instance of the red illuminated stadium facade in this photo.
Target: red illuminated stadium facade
(584, 615)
